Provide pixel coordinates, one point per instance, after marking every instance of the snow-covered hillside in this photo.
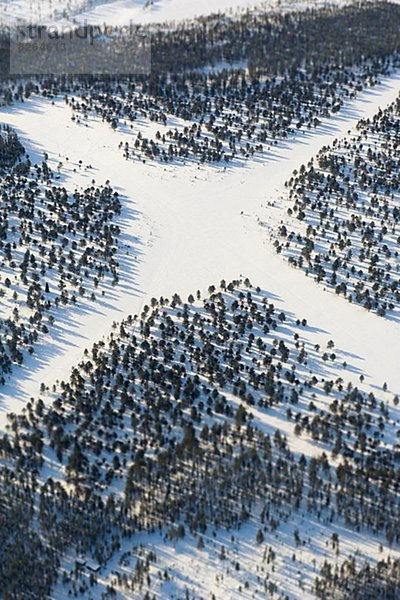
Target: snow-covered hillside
(112, 12)
(123, 12)
(120, 12)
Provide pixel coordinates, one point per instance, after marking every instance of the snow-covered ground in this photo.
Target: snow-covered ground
(113, 11)
(119, 12)
(204, 574)
(186, 227)
(122, 12)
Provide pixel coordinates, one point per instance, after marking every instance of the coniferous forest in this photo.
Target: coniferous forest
(238, 437)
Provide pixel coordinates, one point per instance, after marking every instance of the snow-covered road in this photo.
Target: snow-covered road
(187, 227)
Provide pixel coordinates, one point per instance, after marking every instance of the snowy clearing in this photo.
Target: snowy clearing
(123, 12)
(120, 12)
(188, 227)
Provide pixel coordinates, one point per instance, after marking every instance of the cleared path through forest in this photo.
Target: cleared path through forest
(185, 228)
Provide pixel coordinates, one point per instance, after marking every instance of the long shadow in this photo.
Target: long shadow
(65, 332)
(45, 352)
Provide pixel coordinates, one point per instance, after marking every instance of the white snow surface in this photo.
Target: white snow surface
(186, 227)
(204, 574)
(120, 12)
(123, 12)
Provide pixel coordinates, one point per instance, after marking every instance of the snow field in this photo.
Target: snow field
(185, 228)
(123, 12)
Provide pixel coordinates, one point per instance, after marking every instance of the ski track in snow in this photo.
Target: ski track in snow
(185, 227)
